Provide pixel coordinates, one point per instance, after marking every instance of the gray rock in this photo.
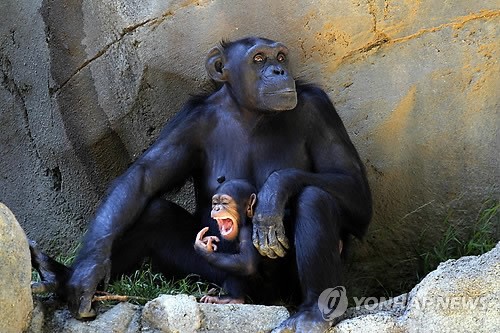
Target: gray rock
(181, 313)
(16, 302)
(169, 313)
(382, 322)
(37, 321)
(122, 318)
(459, 296)
(241, 318)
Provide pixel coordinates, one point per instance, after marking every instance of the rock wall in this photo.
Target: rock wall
(86, 86)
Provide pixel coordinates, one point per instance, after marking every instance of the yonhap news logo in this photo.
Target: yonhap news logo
(332, 303)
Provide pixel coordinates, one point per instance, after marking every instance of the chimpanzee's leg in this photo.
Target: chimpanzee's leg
(317, 243)
(165, 233)
(316, 238)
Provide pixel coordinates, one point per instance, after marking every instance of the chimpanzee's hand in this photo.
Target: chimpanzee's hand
(268, 229)
(205, 244)
(81, 287)
(269, 235)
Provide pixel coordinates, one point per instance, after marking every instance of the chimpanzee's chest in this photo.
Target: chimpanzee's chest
(234, 152)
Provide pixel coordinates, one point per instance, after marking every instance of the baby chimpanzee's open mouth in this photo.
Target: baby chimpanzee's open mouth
(226, 225)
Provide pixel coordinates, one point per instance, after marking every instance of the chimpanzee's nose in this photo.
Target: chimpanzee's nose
(278, 71)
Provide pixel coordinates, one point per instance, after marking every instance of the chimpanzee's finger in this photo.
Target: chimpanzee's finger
(276, 248)
(280, 233)
(199, 235)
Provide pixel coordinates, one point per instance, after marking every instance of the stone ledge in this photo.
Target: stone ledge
(167, 313)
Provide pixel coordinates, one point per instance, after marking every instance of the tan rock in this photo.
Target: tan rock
(16, 302)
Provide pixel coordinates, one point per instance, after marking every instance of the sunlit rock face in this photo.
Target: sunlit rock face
(86, 86)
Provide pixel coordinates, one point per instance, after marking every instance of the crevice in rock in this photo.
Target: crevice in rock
(372, 11)
(383, 39)
(380, 40)
(153, 22)
(8, 82)
(456, 24)
(125, 31)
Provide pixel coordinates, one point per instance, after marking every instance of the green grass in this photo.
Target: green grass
(144, 285)
(482, 237)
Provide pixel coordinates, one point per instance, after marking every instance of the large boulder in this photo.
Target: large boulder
(16, 302)
(181, 313)
(460, 296)
(86, 86)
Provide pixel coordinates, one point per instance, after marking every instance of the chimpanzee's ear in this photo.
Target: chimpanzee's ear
(215, 64)
(251, 205)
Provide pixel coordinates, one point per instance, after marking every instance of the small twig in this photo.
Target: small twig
(104, 296)
(118, 298)
(416, 210)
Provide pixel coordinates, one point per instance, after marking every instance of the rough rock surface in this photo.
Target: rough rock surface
(182, 313)
(165, 314)
(86, 86)
(173, 313)
(459, 296)
(16, 302)
(122, 318)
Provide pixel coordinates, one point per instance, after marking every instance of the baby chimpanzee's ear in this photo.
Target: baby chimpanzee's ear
(251, 205)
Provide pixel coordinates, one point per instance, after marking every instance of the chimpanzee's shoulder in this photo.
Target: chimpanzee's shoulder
(311, 94)
(309, 89)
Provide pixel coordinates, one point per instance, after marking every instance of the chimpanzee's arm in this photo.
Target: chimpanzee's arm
(243, 263)
(286, 183)
(336, 169)
(162, 167)
(165, 165)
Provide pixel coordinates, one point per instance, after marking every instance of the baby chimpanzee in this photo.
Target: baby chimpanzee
(232, 208)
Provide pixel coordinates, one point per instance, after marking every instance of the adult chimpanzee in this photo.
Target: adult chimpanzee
(232, 208)
(284, 138)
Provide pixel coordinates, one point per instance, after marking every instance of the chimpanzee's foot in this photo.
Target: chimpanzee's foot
(221, 300)
(52, 273)
(304, 321)
(43, 287)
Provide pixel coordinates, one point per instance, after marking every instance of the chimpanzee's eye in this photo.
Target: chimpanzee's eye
(259, 57)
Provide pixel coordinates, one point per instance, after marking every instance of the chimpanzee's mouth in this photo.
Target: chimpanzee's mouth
(226, 225)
